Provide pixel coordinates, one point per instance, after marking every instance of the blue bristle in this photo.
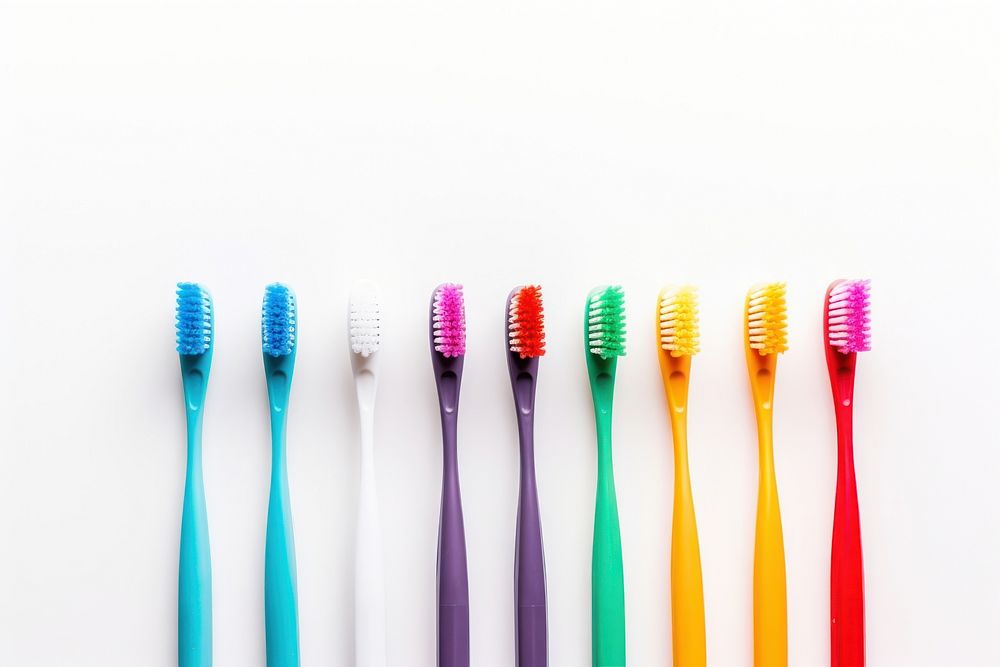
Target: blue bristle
(194, 319)
(278, 320)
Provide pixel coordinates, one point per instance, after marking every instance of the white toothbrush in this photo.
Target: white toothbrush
(364, 325)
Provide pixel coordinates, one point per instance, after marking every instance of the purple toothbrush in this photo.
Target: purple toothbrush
(448, 357)
(526, 342)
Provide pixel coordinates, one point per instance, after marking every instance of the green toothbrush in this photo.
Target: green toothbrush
(604, 338)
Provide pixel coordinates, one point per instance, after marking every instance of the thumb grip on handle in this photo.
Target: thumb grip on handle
(532, 642)
(280, 597)
(687, 598)
(369, 595)
(847, 597)
(531, 628)
(194, 617)
(453, 576)
(453, 636)
(769, 603)
(608, 583)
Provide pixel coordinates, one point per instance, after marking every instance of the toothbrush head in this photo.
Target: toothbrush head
(278, 324)
(194, 319)
(365, 319)
(448, 320)
(679, 321)
(526, 322)
(766, 319)
(848, 325)
(606, 322)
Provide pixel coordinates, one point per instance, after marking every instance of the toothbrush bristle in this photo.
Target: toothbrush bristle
(526, 323)
(767, 323)
(606, 322)
(366, 320)
(449, 320)
(278, 320)
(679, 321)
(849, 325)
(194, 319)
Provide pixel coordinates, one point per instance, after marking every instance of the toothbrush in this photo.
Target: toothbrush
(279, 335)
(195, 333)
(677, 335)
(766, 337)
(847, 318)
(604, 338)
(525, 344)
(447, 336)
(365, 333)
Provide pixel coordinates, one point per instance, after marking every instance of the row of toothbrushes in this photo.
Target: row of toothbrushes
(846, 327)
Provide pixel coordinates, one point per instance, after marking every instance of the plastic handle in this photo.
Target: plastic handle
(847, 595)
(194, 617)
(529, 563)
(369, 594)
(687, 600)
(686, 596)
(453, 573)
(280, 598)
(607, 575)
(769, 601)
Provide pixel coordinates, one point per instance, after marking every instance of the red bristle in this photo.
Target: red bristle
(527, 323)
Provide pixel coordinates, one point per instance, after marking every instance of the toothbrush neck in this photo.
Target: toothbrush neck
(678, 429)
(843, 396)
(278, 424)
(194, 427)
(449, 432)
(603, 388)
(365, 385)
(277, 390)
(366, 426)
(842, 368)
(676, 381)
(449, 383)
(526, 432)
(842, 382)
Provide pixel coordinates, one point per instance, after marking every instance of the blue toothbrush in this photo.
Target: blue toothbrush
(279, 335)
(195, 324)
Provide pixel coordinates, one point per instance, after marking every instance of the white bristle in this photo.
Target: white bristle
(849, 316)
(366, 319)
(767, 325)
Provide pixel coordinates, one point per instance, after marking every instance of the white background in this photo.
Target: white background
(493, 143)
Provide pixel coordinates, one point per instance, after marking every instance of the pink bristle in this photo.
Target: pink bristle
(449, 320)
(849, 324)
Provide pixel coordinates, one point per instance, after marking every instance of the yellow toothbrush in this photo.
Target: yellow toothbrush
(677, 334)
(767, 337)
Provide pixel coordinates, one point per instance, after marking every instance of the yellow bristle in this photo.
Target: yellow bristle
(679, 320)
(767, 323)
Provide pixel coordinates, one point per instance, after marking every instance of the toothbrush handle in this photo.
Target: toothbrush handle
(686, 596)
(453, 575)
(607, 576)
(847, 595)
(529, 562)
(194, 617)
(769, 604)
(280, 598)
(369, 594)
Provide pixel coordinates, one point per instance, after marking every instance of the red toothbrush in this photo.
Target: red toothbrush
(846, 320)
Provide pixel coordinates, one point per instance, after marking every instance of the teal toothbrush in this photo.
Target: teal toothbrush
(604, 338)
(279, 334)
(195, 324)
